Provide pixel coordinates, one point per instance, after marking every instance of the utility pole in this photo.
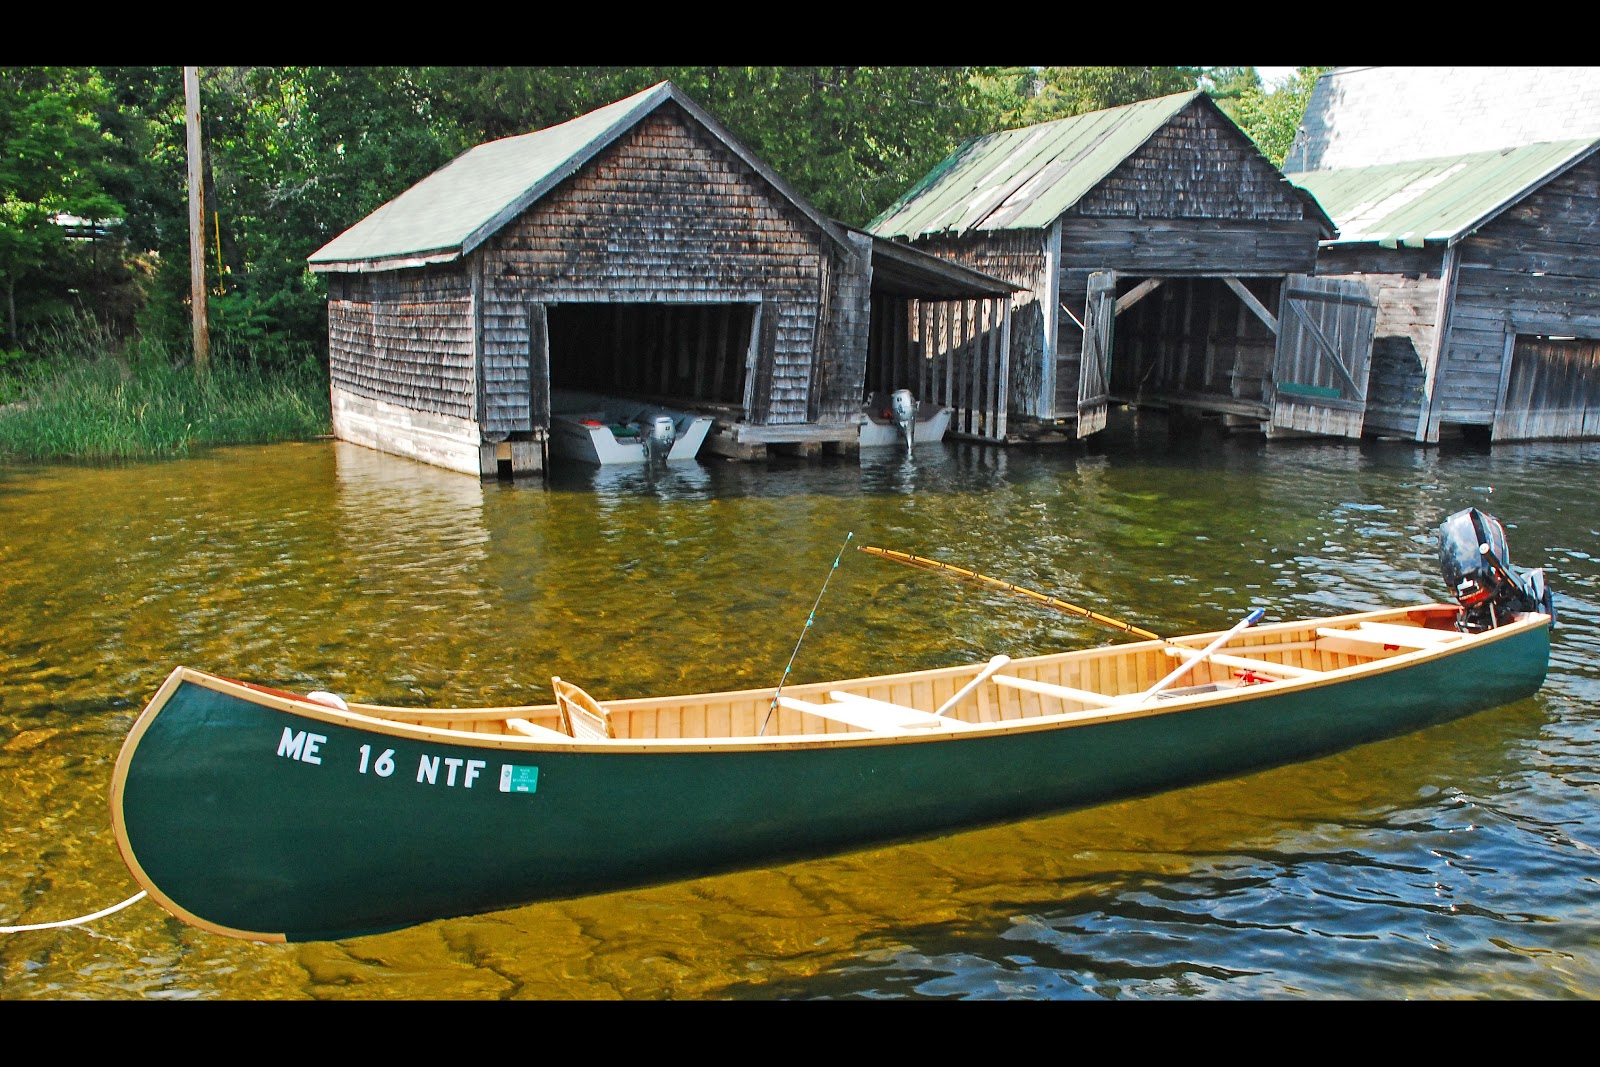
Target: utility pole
(197, 222)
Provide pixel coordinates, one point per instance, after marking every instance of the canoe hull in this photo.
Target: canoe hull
(258, 821)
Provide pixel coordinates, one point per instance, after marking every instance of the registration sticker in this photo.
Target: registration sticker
(514, 779)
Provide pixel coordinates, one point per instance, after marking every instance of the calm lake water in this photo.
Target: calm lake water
(1461, 862)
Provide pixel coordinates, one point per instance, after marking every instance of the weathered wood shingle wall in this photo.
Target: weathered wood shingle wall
(845, 320)
(404, 337)
(1196, 166)
(667, 215)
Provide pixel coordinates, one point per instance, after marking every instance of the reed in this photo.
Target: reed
(146, 405)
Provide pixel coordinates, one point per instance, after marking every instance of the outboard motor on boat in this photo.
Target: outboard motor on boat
(903, 409)
(658, 433)
(1475, 562)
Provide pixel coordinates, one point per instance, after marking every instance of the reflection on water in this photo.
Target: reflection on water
(676, 480)
(1457, 863)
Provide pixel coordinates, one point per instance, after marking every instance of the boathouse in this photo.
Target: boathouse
(640, 250)
(1165, 262)
(1468, 203)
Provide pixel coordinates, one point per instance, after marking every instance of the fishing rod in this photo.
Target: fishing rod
(974, 578)
(803, 630)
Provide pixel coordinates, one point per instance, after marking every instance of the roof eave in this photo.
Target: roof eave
(944, 270)
(381, 263)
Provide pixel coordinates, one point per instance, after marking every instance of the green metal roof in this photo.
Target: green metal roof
(460, 205)
(1025, 179)
(1441, 199)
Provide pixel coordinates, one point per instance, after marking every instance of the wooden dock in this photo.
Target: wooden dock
(743, 441)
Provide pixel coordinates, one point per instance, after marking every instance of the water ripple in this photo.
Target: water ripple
(1459, 863)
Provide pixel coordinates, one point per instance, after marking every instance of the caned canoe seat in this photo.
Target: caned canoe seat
(582, 716)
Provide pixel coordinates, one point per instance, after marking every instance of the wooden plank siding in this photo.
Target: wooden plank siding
(1408, 305)
(666, 215)
(1552, 390)
(1533, 270)
(1156, 247)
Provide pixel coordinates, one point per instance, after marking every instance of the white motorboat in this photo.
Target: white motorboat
(900, 419)
(595, 428)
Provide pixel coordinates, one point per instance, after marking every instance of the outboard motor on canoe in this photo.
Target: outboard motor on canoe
(1475, 561)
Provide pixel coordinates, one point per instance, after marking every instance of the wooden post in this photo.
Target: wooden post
(197, 222)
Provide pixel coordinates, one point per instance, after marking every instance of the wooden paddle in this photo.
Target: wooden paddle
(974, 578)
(1205, 653)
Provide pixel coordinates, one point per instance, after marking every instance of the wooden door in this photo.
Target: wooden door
(1094, 367)
(1324, 354)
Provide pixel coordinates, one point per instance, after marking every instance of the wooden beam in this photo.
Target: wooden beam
(1253, 304)
(1049, 295)
(1435, 358)
(1137, 293)
(1004, 403)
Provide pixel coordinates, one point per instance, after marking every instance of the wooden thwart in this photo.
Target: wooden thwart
(868, 714)
(1260, 666)
(1419, 636)
(1379, 636)
(530, 729)
(1049, 689)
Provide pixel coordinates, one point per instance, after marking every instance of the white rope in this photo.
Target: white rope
(76, 922)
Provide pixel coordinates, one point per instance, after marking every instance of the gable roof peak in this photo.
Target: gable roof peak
(1027, 178)
(452, 211)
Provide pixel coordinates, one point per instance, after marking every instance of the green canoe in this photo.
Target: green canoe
(275, 816)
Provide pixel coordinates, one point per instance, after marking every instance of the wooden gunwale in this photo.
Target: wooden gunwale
(1111, 667)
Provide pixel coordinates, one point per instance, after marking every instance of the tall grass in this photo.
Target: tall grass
(92, 404)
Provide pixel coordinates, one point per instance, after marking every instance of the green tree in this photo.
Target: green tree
(848, 138)
(51, 147)
(1062, 92)
(1272, 118)
(293, 156)
(1228, 85)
